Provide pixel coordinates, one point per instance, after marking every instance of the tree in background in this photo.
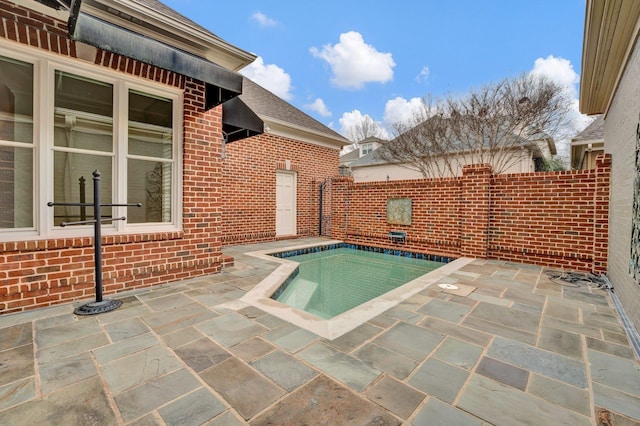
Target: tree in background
(498, 124)
(365, 128)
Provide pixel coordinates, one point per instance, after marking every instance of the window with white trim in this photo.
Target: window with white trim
(60, 122)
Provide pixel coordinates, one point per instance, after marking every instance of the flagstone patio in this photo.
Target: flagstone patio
(519, 349)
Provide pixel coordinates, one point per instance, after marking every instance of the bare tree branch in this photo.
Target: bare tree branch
(497, 124)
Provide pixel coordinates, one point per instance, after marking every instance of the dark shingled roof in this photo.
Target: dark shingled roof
(593, 132)
(267, 105)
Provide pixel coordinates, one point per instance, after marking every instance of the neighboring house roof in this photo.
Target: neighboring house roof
(350, 156)
(284, 119)
(593, 132)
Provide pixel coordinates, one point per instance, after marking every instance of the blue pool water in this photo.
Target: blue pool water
(331, 282)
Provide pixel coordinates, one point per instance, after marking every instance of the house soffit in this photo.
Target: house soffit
(611, 30)
(287, 130)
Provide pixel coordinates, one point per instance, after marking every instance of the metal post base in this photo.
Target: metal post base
(97, 307)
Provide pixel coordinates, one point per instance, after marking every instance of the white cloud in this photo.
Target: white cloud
(354, 62)
(263, 20)
(560, 71)
(400, 110)
(319, 106)
(351, 124)
(423, 76)
(271, 77)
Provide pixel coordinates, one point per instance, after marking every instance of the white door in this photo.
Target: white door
(285, 204)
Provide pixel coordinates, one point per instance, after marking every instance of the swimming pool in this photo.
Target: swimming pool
(331, 281)
(260, 295)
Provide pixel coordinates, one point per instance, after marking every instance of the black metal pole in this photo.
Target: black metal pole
(97, 244)
(83, 198)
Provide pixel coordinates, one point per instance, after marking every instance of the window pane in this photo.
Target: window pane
(83, 113)
(150, 125)
(16, 183)
(73, 183)
(149, 183)
(16, 100)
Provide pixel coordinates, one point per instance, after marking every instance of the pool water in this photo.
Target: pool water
(331, 282)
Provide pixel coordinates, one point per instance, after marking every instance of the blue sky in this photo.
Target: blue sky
(341, 60)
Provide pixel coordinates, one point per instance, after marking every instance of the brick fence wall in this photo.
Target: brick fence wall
(249, 186)
(555, 219)
(43, 272)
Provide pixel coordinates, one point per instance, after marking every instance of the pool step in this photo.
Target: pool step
(304, 291)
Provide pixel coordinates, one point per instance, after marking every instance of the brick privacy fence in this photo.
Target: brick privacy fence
(45, 272)
(557, 219)
(249, 186)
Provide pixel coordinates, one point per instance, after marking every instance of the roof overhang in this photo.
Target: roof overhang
(610, 33)
(221, 84)
(284, 129)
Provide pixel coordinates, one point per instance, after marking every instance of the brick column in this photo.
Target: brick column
(340, 188)
(475, 210)
(601, 213)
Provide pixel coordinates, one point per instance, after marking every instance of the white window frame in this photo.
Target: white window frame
(44, 66)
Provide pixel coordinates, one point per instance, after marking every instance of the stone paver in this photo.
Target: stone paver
(324, 402)
(519, 349)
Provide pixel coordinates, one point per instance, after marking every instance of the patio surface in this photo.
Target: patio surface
(519, 349)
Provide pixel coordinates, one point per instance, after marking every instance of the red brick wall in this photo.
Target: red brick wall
(50, 271)
(555, 219)
(249, 185)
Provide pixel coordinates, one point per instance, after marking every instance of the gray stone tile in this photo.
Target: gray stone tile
(182, 337)
(613, 337)
(490, 296)
(559, 310)
(141, 367)
(559, 393)
(583, 329)
(599, 298)
(202, 354)
(503, 373)
(16, 335)
(17, 392)
(177, 318)
(385, 360)
(509, 317)
(458, 331)
(610, 348)
(453, 312)
(125, 329)
(145, 398)
(403, 315)
(382, 321)
(324, 402)
(58, 374)
(161, 291)
(55, 321)
(231, 329)
(284, 370)
(126, 347)
(439, 379)
(270, 321)
(345, 368)
(603, 321)
(437, 413)
(410, 340)
(16, 364)
(242, 387)
(73, 347)
(192, 409)
(561, 342)
(503, 405)
(81, 403)
(148, 420)
(615, 372)
(456, 352)
(500, 330)
(252, 312)
(614, 400)
(290, 337)
(355, 338)
(395, 396)
(64, 333)
(252, 349)
(226, 419)
(546, 363)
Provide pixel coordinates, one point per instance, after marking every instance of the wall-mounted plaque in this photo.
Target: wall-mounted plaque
(399, 211)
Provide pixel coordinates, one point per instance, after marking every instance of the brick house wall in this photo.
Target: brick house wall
(555, 219)
(249, 185)
(43, 272)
